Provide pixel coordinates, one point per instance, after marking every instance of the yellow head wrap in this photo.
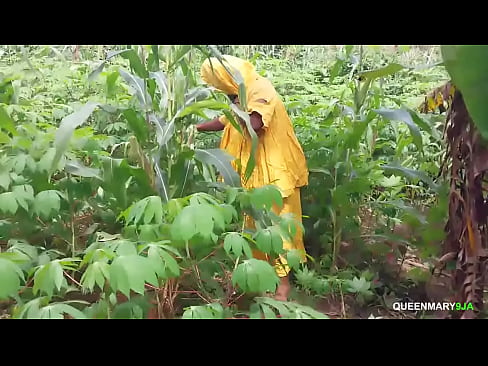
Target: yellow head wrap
(216, 75)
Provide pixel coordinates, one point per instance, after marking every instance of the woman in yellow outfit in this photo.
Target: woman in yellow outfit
(279, 158)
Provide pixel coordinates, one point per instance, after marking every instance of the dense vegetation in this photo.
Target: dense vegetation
(111, 205)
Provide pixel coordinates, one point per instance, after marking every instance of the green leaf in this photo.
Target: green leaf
(201, 219)
(139, 86)
(154, 210)
(254, 275)
(163, 263)
(405, 116)
(162, 83)
(197, 107)
(47, 203)
(10, 276)
(466, 64)
(265, 197)
(293, 258)
(410, 173)
(111, 80)
(269, 240)
(131, 272)
(67, 127)
(390, 182)
(164, 131)
(287, 310)
(75, 167)
(222, 162)
(4, 177)
(335, 70)
(49, 277)
(19, 163)
(24, 194)
(57, 310)
(8, 203)
(96, 273)
(420, 121)
(100, 67)
(234, 243)
(381, 72)
(6, 122)
(137, 124)
(210, 311)
(4, 138)
(251, 164)
(358, 285)
(135, 63)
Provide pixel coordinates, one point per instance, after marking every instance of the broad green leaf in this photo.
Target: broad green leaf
(466, 64)
(49, 277)
(251, 164)
(265, 197)
(131, 273)
(162, 83)
(111, 81)
(392, 181)
(381, 72)
(96, 273)
(255, 275)
(6, 122)
(161, 182)
(149, 232)
(75, 167)
(358, 285)
(154, 210)
(289, 225)
(405, 116)
(57, 311)
(222, 162)
(288, 310)
(24, 194)
(269, 240)
(137, 124)
(234, 243)
(10, 276)
(19, 163)
(232, 120)
(164, 264)
(4, 177)
(335, 70)
(164, 130)
(420, 121)
(139, 86)
(135, 63)
(137, 210)
(4, 138)
(211, 311)
(67, 127)
(24, 248)
(199, 219)
(293, 258)
(204, 104)
(8, 203)
(47, 161)
(47, 203)
(410, 173)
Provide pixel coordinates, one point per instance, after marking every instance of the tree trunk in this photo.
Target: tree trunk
(466, 229)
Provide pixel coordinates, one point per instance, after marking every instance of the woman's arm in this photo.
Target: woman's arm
(213, 125)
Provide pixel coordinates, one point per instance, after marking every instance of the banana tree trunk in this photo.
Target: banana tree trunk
(467, 236)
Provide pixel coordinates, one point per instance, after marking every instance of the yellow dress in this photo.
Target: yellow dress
(279, 157)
